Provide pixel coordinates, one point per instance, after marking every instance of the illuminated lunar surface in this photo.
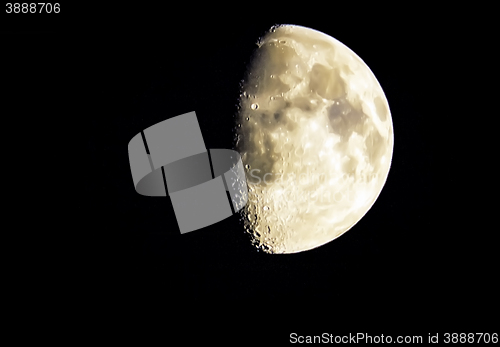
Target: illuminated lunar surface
(316, 138)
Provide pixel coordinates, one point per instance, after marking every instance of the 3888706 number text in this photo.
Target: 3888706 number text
(470, 338)
(32, 7)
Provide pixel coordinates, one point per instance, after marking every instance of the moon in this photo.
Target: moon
(316, 137)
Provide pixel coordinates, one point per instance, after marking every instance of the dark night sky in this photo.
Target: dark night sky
(150, 77)
(115, 74)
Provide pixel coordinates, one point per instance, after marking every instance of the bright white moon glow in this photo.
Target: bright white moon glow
(316, 139)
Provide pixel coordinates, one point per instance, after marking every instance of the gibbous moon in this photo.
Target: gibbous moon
(316, 137)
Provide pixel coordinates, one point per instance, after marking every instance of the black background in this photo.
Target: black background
(98, 76)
